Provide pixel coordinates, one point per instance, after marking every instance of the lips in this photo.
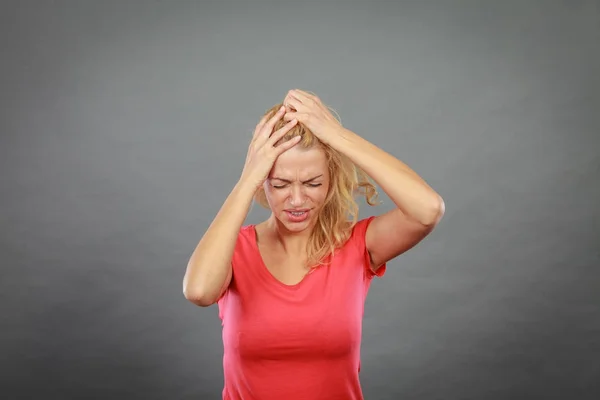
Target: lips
(297, 215)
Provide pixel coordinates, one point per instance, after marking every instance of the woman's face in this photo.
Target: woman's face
(297, 187)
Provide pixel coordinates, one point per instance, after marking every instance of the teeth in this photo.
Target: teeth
(298, 213)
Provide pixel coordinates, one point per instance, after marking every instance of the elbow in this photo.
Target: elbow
(198, 294)
(436, 212)
(204, 289)
(199, 298)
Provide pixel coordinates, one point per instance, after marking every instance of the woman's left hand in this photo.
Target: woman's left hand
(312, 113)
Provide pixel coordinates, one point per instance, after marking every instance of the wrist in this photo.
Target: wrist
(338, 137)
(246, 186)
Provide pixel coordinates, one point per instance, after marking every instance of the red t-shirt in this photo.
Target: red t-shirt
(293, 342)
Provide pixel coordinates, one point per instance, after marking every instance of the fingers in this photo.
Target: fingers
(268, 127)
(293, 95)
(303, 96)
(260, 125)
(263, 131)
(287, 145)
(293, 104)
(289, 116)
(278, 134)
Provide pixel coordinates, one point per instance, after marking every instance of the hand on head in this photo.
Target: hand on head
(263, 150)
(298, 107)
(310, 111)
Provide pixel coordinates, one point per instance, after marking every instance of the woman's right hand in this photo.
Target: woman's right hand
(262, 151)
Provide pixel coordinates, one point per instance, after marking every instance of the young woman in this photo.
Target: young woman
(291, 289)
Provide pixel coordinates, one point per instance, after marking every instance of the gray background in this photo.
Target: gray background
(125, 125)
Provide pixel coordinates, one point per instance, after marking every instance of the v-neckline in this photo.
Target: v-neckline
(263, 266)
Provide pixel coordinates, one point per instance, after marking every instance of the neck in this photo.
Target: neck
(291, 242)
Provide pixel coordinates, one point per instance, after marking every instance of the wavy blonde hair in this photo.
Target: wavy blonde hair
(340, 210)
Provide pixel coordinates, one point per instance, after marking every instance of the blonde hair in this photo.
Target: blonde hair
(340, 210)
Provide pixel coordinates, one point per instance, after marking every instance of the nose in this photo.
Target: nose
(297, 196)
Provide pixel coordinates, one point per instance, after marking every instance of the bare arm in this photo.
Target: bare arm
(419, 207)
(209, 270)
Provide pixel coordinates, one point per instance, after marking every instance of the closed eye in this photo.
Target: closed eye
(308, 184)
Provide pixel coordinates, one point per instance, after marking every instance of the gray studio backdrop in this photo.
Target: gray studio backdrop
(124, 125)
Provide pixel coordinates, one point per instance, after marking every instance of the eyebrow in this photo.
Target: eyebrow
(288, 181)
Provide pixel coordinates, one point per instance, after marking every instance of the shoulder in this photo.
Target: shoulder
(246, 231)
(357, 233)
(357, 241)
(245, 238)
(359, 229)
(245, 252)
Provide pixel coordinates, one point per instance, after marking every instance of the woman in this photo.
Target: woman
(291, 289)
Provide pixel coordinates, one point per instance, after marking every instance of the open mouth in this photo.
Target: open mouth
(297, 215)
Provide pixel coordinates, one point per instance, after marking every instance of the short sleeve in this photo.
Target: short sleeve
(222, 304)
(359, 238)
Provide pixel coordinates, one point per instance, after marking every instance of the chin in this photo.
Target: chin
(296, 227)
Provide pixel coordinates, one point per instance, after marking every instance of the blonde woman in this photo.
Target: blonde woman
(291, 289)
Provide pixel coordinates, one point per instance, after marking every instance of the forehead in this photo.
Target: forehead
(302, 163)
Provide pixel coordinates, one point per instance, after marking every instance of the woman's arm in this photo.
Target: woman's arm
(419, 207)
(208, 272)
